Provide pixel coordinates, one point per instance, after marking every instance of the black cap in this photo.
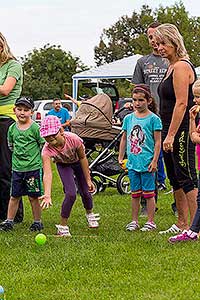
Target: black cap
(25, 101)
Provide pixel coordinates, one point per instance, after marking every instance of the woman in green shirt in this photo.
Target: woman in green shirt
(11, 79)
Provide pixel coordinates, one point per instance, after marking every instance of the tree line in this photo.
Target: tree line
(48, 70)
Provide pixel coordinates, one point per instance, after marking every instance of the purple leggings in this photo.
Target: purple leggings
(67, 172)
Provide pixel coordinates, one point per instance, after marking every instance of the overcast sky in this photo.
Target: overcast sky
(75, 25)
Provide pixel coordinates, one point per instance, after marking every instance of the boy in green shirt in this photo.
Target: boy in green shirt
(25, 143)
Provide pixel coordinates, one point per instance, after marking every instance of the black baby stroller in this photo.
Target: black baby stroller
(93, 123)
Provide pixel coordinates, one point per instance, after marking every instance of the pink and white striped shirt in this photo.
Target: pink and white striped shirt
(68, 153)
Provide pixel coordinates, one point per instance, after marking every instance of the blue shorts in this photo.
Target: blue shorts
(27, 183)
(142, 184)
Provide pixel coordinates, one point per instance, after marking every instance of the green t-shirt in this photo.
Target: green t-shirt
(12, 68)
(26, 146)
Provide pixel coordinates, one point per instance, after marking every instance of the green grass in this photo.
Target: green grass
(107, 263)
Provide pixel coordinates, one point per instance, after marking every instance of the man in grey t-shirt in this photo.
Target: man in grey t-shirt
(150, 69)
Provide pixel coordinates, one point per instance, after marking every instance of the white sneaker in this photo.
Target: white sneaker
(93, 220)
(63, 231)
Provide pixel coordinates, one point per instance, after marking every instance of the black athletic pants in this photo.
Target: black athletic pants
(5, 172)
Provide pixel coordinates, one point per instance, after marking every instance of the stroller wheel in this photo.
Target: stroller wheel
(102, 184)
(96, 186)
(123, 184)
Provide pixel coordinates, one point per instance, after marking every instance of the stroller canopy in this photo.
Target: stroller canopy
(94, 119)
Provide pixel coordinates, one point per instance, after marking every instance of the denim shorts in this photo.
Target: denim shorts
(142, 184)
(27, 183)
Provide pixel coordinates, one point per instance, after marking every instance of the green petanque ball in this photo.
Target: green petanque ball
(40, 239)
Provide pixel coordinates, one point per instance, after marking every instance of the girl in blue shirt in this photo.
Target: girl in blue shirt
(141, 140)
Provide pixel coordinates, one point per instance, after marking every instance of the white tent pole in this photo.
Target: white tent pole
(75, 94)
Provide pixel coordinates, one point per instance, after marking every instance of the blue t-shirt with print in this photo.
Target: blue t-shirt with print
(62, 114)
(140, 140)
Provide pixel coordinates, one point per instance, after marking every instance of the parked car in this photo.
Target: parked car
(42, 107)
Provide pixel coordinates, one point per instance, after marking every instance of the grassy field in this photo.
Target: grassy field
(107, 263)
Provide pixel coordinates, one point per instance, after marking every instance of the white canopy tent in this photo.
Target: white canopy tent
(198, 71)
(122, 68)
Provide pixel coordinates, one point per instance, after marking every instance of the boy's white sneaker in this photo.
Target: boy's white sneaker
(93, 220)
(63, 231)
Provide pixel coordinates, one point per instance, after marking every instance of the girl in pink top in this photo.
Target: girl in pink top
(68, 152)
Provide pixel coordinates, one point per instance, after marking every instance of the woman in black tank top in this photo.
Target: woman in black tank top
(175, 92)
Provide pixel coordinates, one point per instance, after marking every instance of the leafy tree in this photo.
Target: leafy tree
(47, 71)
(128, 35)
(189, 28)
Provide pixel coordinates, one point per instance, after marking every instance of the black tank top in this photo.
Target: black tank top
(168, 99)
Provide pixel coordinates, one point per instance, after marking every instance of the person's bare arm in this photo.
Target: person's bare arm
(66, 124)
(181, 81)
(193, 129)
(7, 86)
(122, 148)
(70, 98)
(47, 182)
(192, 124)
(153, 165)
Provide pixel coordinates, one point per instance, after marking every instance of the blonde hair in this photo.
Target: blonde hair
(6, 54)
(196, 85)
(169, 34)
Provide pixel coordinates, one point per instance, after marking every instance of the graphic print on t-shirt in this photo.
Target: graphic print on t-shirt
(137, 139)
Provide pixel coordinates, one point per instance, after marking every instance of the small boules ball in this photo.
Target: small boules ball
(40, 239)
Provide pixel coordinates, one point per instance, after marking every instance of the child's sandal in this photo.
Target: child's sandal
(148, 226)
(132, 226)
